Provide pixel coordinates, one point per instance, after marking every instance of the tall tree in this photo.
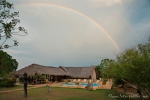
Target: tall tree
(8, 28)
(8, 24)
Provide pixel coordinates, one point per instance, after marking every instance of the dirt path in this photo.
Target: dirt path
(129, 91)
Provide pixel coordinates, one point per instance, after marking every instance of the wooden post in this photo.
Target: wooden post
(25, 84)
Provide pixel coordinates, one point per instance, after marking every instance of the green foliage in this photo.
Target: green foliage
(11, 82)
(42, 77)
(132, 65)
(8, 24)
(3, 82)
(103, 65)
(7, 82)
(7, 64)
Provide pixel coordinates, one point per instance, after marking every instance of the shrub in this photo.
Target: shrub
(3, 82)
(11, 82)
(7, 82)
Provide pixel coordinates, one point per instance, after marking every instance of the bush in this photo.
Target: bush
(7, 82)
(3, 82)
(11, 82)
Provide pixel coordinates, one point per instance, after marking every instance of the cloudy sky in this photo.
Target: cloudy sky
(78, 32)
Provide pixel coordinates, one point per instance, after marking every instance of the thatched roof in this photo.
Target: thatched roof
(39, 69)
(74, 72)
(79, 72)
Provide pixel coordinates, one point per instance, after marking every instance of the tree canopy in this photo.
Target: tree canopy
(7, 63)
(132, 65)
(100, 67)
(9, 27)
(9, 24)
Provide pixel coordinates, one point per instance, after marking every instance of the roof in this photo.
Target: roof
(79, 72)
(74, 72)
(39, 69)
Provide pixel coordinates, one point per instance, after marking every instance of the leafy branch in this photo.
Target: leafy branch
(8, 24)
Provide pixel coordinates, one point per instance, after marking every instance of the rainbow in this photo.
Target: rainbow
(77, 12)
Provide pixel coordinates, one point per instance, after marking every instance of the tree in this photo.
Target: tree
(132, 65)
(8, 28)
(103, 65)
(7, 64)
(8, 24)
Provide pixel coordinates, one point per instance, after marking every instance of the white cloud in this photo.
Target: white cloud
(109, 3)
(106, 3)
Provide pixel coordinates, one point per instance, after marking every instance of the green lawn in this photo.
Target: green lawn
(58, 94)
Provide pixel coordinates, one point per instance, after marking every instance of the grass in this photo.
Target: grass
(58, 93)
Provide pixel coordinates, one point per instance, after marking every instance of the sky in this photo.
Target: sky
(78, 32)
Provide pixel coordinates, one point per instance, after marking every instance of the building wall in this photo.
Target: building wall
(94, 75)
